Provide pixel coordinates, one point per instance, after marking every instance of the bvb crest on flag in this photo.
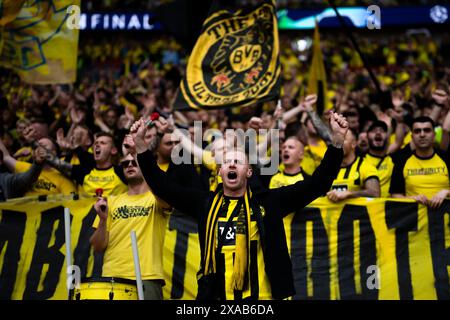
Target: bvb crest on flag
(235, 60)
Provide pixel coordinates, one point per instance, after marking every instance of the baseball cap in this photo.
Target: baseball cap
(378, 124)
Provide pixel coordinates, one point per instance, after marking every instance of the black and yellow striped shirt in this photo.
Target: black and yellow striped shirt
(259, 285)
(384, 165)
(353, 176)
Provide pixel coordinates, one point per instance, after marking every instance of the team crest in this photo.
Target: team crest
(235, 60)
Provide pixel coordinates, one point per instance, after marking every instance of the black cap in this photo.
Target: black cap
(378, 124)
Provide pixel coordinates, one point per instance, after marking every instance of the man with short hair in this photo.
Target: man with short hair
(291, 156)
(357, 177)
(422, 174)
(135, 210)
(243, 244)
(377, 155)
(98, 171)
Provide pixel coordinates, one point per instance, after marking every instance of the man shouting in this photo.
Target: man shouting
(243, 245)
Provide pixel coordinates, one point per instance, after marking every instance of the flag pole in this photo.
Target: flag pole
(68, 245)
(356, 47)
(137, 266)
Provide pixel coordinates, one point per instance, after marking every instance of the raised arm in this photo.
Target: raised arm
(322, 130)
(440, 101)
(8, 160)
(294, 197)
(18, 184)
(187, 200)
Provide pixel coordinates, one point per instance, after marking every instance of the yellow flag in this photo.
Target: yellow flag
(9, 9)
(317, 83)
(39, 45)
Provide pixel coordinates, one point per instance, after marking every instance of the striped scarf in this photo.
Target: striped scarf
(240, 268)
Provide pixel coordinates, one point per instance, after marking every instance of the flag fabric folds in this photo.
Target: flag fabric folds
(9, 9)
(235, 61)
(39, 44)
(317, 82)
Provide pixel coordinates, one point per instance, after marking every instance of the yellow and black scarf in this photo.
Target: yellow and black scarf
(241, 264)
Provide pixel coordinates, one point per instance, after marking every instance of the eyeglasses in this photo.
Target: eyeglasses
(126, 163)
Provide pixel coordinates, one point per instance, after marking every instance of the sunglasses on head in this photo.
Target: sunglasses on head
(126, 163)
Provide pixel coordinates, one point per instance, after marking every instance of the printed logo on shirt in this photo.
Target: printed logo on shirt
(339, 187)
(100, 179)
(126, 212)
(229, 239)
(425, 171)
(43, 185)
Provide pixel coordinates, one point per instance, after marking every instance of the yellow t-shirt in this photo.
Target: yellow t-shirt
(163, 166)
(384, 165)
(414, 176)
(353, 176)
(106, 179)
(50, 181)
(28, 157)
(312, 157)
(148, 218)
(282, 179)
(259, 284)
(279, 180)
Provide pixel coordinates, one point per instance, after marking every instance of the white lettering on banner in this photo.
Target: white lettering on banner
(146, 24)
(95, 20)
(118, 22)
(106, 22)
(99, 21)
(134, 23)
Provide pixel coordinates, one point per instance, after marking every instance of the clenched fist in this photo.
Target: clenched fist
(339, 128)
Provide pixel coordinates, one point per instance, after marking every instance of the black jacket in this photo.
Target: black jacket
(277, 203)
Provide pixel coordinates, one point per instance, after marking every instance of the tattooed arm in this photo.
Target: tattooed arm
(62, 166)
(322, 130)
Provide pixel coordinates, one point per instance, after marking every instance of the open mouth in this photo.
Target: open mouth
(97, 152)
(285, 157)
(378, 139)
(232, 175)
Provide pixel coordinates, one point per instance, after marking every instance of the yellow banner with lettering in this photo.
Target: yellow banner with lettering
(359, 249)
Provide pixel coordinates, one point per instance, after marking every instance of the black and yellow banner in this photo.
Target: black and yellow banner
(360, 249)
(235, 61)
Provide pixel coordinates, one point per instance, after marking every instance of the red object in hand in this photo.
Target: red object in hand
(99, 192)
(153, 117)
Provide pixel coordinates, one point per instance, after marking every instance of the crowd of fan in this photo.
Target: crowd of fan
(85, 126)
